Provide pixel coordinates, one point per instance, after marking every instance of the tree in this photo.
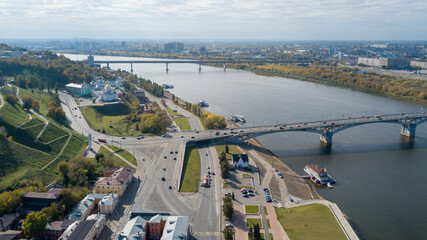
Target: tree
(56, 87)
(28, 101)
(3, 131)
(63, 169)
(70, 197)
(257, 234)
(226, 149)
(98, 156)
(11, 99)
(228, 233)
(224, 170)
(227, 208)
(213, 121)
(54, 211)
(35, 224)
(222, 157)
(35, 105)
(251, 233)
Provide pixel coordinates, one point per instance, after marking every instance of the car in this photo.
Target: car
(270, 129)
(192, 137)
(174, 158)
(265, 189)
(280, 127)
(123, 138)
(170, 187)
(241, 131)
(250, 190)
(213, 173)
(209, 172)
(182, 136)
(217, 133)
(230, 225)
(138, 138)
(299, 126)
(165, 157)
(225, 133)
(243, 189)
(291, 127)
(305, 123)
(171, 152)
(274, 125)
(269, 200)
(80, 117)
(251, 194)
(164, 169)
(245, 195)
(284, 125)
(209, 167)
(75, 115)
(142, 158)
(282, 177)
(206, 154)
(163, 179)
(163, 135)
(176, 152)
(231, 129)
(197, 131)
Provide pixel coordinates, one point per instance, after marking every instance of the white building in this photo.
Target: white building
(108, 94)
(176, 227)
(108, 203)
(240, 160)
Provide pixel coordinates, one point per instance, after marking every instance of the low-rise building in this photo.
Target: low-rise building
(55, 229)
(148, 108)
(108, 203)
(240, 161)
(109, 171)
(80, 230)
(134, 229)
(116, 183)
(80, 89)
(100, 222)
(176, 227)
(9, 221)
(83, 208)
(35, 201)
(12, 235)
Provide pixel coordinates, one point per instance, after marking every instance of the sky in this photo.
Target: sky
(215, 19)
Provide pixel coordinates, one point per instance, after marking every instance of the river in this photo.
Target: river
(380, 175)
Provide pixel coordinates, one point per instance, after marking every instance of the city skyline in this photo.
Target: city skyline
(238, 20)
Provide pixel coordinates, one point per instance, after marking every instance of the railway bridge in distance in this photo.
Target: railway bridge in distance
(91, 61)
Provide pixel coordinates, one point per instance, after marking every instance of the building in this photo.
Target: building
(176, 227)
(116, 184)
(384, 62)
(9, 221)
(55, 229)
(82, 89)
(12, 234)
(108, 94)
(174, 47)
(240, 161)
(159, 226)
(148, 108)
(83, 208)
(140, 95)
(35, 201)
(109, 171)
(100, 222)
(108, 203)
(80, 230)
(422, 65)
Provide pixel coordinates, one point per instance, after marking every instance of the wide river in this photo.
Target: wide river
(380, 175)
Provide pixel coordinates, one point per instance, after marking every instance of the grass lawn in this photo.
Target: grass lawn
(191, 171)
(232, 149)
(42, 97)
(182, 122)
(52, 132)
(262, 236)
(225, 185)
(247, 187)
(32, 123)
(125, 154)
(250, 222)
(271, 236)
(100, 117)
(246, 175)
(265, 210)
(268, 223)
(116, 159)
(314, 221)
(251, 209)
(13, 115)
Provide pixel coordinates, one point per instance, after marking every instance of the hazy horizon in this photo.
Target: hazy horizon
(269, 20)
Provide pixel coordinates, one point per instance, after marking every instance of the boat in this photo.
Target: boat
(203, 103)
(319, 175)
(329, 185)
(237, 118)
(166, 86)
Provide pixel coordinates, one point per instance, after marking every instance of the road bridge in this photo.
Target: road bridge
(224, 63)
(326, 128)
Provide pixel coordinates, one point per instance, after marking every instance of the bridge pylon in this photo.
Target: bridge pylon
(408, 130)
(131, 67)
(326, 137)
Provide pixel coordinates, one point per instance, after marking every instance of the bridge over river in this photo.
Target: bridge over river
(326, 128)
(90, 60)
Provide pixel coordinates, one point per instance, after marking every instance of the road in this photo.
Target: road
(153, 194)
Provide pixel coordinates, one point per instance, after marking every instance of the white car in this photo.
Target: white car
(143, 159)
(229, 225)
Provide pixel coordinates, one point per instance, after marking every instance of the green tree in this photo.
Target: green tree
(257, 234)
(251, 233)
(228, 233)
(63, 169)
(98, 156)
(11, 99)
(227, 208)
(27, 101)
(224, 170)
(54, 211)
(56, 87)
(35, 105)
(222, 157)
(35, 224)
(226, 149)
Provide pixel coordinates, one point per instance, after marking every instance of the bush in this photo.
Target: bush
(11, 99)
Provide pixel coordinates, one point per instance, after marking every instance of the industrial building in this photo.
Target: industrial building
(80, 89)
(384, 62)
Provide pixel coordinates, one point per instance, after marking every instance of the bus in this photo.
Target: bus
(102, 140)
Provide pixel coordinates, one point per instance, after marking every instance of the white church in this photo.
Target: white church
(240, 161)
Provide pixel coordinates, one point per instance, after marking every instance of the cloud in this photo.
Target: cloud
(209, 18)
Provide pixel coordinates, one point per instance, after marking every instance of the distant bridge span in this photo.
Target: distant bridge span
(92, 61)
(326, 129)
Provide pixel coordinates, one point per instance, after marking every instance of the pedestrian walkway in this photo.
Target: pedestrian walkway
(122, 158)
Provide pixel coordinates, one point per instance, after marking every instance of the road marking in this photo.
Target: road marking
(208, 234)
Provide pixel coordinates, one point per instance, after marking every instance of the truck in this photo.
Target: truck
(102, 140)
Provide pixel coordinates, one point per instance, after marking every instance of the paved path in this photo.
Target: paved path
(1, 100)
(59, 154)
(46, 122)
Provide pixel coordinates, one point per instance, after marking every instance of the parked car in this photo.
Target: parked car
(245, 195)
(217, 133)
(174, 158)
(251, 194)
(176, 152)
(163, 179)
(170, 187)
(229, 225)
(250, 190)
(243, 189)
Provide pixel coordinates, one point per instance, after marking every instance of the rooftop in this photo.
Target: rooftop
(82, 207)
(176, 227)
(78, 230)
(237, 157)
(42, 195)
